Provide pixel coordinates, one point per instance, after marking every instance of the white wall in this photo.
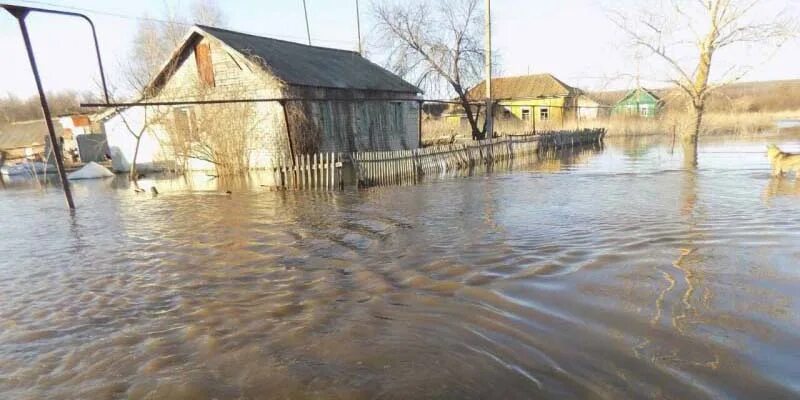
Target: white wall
(587, 108)
(122, 143)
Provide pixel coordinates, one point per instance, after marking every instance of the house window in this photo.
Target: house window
(526, 114)
(544, 114)
(644, 111)
(202, 56)
(506, 113)
(397, 108)
(184, 120)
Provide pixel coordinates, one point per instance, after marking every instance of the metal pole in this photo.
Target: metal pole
(487, 63)
(308, 30)
(20, 14)
(18, 9)
(358, 26)
(99, 61)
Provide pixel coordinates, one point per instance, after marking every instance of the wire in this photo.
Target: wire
(163, 21)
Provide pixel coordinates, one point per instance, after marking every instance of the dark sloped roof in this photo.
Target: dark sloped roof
(299, 64)
(25, 134)
(524, 87)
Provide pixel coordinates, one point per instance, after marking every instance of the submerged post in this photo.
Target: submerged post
(20, 13)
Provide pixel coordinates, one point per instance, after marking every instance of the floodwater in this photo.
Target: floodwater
(610, 273)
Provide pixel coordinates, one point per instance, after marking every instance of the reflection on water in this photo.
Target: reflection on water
(603, 273)
(781, 186)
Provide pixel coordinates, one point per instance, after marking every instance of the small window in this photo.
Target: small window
(397, 108)
(644, 111)
(202, 55)
(526, 114)
(506, 113)
(544, 113)
(184, 120)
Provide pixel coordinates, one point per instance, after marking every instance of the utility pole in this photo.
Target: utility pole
(358, 26)
(308, 30)
(487, 64)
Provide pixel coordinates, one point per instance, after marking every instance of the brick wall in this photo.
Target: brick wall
(317, 126)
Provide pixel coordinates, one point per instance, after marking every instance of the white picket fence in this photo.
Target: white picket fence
(309, 171)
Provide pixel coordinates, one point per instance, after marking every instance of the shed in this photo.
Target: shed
(25, 140)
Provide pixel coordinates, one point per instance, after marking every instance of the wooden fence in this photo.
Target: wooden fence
(309, 171)
(325, 170)
(407, 166)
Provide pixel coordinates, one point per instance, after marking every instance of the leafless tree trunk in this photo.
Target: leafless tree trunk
(676, 28)
(153, 44)
(435, 45)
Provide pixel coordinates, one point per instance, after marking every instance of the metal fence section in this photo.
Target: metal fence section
(92, 147)
(408, 166)
(321, 171)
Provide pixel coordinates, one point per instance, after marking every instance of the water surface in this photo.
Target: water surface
(608, 273)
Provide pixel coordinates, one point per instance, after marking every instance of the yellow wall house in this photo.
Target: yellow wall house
(533, 102)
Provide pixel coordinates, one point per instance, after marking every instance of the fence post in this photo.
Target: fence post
(339, 168)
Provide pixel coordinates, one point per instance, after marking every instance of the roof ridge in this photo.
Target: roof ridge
(30, 121)
(523, 76)
(213, 28)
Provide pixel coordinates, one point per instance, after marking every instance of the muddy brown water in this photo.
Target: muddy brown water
(610, 273)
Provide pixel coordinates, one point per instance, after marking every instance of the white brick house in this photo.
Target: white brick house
(348, 103)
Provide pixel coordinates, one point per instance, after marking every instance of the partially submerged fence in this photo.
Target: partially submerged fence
(407, 166)
(376, 168)
(309, 171)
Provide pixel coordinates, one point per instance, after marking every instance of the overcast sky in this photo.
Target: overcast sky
(572, 39)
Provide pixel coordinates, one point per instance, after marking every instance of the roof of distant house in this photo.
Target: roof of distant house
(640, 93)
(25, 134)
(303, 65)
(524, 87)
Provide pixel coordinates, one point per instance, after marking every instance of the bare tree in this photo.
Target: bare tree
(14, 109)
(435, 44)
(673, 29)
(156, 39)
(154, 43)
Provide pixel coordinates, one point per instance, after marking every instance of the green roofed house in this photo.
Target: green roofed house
(639, 102)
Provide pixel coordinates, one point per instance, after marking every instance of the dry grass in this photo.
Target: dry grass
(439, 131)
(714, 123)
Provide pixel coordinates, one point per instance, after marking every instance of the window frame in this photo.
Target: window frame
(526, 113)
(190, 118)
(544, 113)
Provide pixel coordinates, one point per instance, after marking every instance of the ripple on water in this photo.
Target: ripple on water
(619, 276)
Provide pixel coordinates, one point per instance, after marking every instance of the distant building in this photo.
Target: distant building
(88, 137)
(27, 140)
(539, 100)
(639, 102)
(352, 104)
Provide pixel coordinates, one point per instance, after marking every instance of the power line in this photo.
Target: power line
(163, 21)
